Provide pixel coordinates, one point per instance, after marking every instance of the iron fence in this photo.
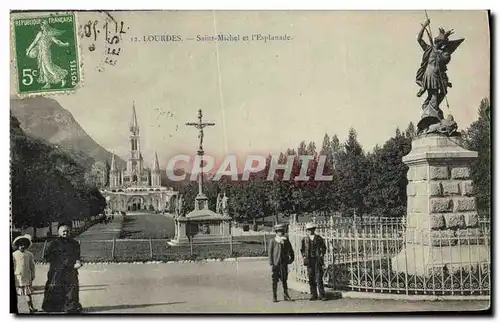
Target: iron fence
(131, 250)
(389, 258)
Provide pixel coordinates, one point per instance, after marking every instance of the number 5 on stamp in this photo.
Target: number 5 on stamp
(46, 53)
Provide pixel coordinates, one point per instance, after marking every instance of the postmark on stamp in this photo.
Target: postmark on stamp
(46, 53)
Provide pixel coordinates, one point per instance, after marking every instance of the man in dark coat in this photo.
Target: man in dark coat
(313, 251)
(62, 287)
(280, 253)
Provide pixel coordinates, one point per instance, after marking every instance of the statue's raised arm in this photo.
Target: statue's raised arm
(420, 40)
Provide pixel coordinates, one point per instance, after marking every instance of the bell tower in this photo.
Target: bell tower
(134, 162)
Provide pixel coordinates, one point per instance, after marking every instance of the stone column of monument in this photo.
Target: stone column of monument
(442, 220)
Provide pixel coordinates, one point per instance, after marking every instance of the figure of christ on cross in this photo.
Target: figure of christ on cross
(200, 125)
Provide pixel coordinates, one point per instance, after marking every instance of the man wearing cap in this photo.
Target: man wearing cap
(62, 287)
(280, 253)
(313, 251)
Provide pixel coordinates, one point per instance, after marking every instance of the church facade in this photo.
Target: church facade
(136, 188)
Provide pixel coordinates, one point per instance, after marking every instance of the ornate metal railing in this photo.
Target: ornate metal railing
(373, 258)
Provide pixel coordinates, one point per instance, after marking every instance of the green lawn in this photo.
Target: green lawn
(159, 250)
(140, 237)
(147, 226)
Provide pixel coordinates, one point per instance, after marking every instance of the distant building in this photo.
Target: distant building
(136, 188)
(98, 175)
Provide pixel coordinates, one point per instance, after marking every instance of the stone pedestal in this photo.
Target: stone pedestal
(442, 221)
(202, 225)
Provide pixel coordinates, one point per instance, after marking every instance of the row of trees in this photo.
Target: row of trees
(49, 183)
(364, 183)
(371, 183)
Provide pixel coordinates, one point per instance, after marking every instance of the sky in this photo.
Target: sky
(341, 69)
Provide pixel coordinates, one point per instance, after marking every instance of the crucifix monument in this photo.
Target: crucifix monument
(201, 201)
(201, 224)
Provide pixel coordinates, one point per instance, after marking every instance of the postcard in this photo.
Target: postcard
(248, 162)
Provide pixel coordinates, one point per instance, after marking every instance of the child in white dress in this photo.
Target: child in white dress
(24, 269)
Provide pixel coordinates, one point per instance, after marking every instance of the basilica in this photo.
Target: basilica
(136, 188)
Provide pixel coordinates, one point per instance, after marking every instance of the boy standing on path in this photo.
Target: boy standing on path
(280, 256)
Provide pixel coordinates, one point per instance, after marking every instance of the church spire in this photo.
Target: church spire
(155, 174)
(133, 124)
(113, 163)
(156, 166)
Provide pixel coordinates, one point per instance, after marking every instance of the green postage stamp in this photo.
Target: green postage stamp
(46, 53)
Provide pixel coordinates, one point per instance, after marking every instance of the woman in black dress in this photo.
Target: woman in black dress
(62, 287)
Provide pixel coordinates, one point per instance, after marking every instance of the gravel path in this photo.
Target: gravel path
(211, 287)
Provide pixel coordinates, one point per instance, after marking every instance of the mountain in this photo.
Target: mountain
(46, 119)
(48, 182)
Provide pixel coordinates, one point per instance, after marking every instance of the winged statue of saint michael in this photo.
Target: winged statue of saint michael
(433, 80)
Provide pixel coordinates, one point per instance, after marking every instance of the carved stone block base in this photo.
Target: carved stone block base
(428, 260)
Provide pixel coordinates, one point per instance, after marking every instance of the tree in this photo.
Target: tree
(352, 145)
(411, 131)
(353, 175)
(285, 188)
(248, 199)
(301, 150)
(189, 190)
(478, 138)
(336, 150)
(324, 194)
(386, 191)
(309, 188)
